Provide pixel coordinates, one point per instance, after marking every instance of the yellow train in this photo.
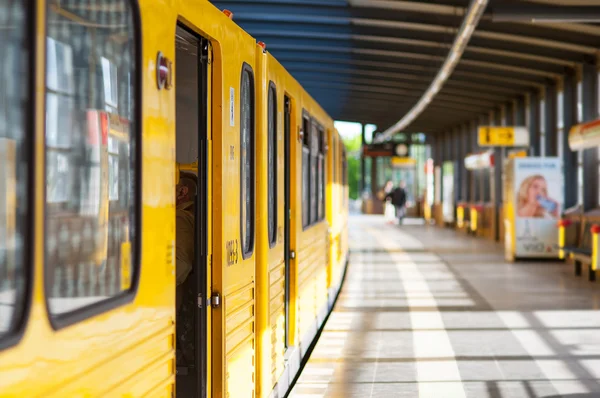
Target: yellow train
(106, 105)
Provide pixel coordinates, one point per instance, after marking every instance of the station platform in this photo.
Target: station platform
(431, 312)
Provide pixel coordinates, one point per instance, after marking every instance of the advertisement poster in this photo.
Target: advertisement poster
(537, 191)
(448, 191)
(429, 186)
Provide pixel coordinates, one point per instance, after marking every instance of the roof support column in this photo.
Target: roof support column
(374, 177)
(438, 158)
(362, 161)
(551, 147)
(466, 148)
(455, 138)
(499, 153)
(520, 110)
(534, 123)
(460, 172)
(590, 155)
(476, 183)
(569, 157)
(510, 113)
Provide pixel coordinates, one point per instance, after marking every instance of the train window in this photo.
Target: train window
(306, 171)
(334, 157)
(321, 173)
(91, 141)
(314, 148)
(344, 178)
(14, 163)
(247, 160)
(272, 163)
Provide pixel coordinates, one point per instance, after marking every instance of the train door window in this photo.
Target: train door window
(15, 117)
(321, 173)
(247, 160)
(306, 171)
(272, 166)
(314, 148)
(91, 145)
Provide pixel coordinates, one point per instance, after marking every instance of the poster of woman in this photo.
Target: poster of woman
(533, 200)
(537, 190)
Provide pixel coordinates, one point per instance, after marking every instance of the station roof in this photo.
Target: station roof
(370, 61)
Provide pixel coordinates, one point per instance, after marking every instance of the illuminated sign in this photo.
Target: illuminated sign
(503, 136)
(479, 160)
(403, 162)
(585, 135)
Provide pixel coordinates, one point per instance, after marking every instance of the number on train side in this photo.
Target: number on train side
(232, 249)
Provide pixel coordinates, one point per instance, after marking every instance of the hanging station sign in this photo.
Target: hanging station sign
(585, 135)
(503, 136)
(403, 162)
(476, 161)
(391, 149)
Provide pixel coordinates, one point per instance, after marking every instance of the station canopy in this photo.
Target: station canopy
(371, 61)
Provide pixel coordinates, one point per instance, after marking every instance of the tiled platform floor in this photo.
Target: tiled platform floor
(429, 312)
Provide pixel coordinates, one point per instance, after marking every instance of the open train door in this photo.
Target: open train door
(193, 142)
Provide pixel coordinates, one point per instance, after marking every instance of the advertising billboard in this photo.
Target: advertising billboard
(448, 191)
(537, 186)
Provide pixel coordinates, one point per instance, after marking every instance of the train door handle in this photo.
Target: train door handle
(214, 301)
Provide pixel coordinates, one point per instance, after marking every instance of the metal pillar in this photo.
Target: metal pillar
(495, 117)
(362, 162)
(534, 123)
(374, 177)
(550, 120)
(460, 172)
(466, 148)
(569, 158)
(510, 114)
(520, 110)
(499, 154)
(590, 155)
(475, 183)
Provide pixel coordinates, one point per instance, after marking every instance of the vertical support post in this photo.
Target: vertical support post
(362, 161)
(457, 145)
(509, 111)
(498, 167)
(374, 177)
(534, 123)
(590, 155)
(520, 111)
(466, 145)
(550, 120)
(569, 157)
(475, 173)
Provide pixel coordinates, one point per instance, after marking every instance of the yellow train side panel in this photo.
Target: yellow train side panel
(130, 349)
(115, 345)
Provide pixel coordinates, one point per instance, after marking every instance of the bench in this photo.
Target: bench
(582, 249)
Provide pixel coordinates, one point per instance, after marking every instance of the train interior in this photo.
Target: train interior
(191, 128)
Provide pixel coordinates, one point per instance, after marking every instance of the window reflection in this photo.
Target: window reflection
(13, 162)
(247, 161)
(89, 153)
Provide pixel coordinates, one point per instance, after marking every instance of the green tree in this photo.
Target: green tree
(353, 154)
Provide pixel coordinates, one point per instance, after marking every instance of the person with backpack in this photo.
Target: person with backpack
(398, 199)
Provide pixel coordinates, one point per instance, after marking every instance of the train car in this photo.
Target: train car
(174, 204)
